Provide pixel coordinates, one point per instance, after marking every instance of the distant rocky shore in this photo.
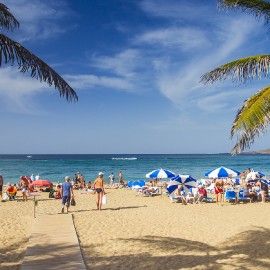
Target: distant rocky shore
(260, 152)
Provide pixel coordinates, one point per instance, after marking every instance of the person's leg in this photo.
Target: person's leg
(263, 196)
(63, 204)
(100, 200)
(217, 195)
(221, 198)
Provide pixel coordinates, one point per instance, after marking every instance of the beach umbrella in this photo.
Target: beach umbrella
(42, 183)
(266, 182)
(160, 173)
(222, 172)
(185, 180)
(254, 175)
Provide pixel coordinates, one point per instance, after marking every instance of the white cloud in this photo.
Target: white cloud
(17, 90)
(123, 64)
(181, 84)
(184, 38)
(93, 81)
(38, 19)
(173, 9)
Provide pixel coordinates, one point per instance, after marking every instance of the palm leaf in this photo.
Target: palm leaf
(240, 70)
(7, 20)
(251, 120)
(12, 52)
(258, 8)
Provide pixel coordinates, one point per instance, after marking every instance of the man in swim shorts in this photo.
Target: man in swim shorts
(99, 189)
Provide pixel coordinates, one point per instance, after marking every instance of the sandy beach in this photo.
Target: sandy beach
(148, 232)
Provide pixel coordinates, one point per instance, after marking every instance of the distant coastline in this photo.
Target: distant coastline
(259, 152)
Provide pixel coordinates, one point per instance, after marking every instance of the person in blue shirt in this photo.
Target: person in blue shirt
(66, 191)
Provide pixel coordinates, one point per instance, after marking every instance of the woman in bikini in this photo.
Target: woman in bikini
(99, 189)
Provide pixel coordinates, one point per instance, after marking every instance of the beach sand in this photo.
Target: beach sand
(134, 232)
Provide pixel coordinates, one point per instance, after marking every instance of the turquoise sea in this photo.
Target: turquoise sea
(134, 167)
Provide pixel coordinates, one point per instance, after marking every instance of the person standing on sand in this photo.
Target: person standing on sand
(24, 185)
(1, 185)
(120, 177)
(111, 180)
(66, 191)
(219, 191)
(99, 189)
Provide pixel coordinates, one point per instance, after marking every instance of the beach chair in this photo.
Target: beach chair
(241, 197)
(230, 195)
(130, 183)
(208, 199)
(141, 183)
(154, 191)
(237, 182)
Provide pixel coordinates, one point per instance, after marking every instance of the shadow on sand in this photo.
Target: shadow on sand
(248, 250)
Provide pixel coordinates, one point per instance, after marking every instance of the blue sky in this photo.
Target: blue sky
(136, 67)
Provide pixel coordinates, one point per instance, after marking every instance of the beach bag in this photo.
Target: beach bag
(72, 202)
(104, 199)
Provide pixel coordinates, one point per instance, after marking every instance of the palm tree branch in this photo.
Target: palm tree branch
(258, 8)
(12, 52)
(240, 70)
(251, 120)
(7, 20)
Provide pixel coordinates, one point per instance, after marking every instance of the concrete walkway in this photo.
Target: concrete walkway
(53, 244)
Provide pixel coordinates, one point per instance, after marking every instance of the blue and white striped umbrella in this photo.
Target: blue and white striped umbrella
(185, 180)
(254, 175)
(266, 182)
(222, 172)
(160, 173)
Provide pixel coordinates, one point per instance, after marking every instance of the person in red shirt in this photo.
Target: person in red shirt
(202, 194)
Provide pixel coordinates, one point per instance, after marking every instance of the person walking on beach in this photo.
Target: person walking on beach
(120, 177)
(1, 185)
(66, 191)
(99, 189)
(111, 180)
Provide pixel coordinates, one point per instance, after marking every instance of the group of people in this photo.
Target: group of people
(67, 192)
(190, 197)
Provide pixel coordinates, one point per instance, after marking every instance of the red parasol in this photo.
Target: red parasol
(42, 183)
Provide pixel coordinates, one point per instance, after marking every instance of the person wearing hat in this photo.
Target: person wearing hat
(66, 191)
(99, 189)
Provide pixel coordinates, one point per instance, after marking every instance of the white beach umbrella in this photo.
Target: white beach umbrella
(222, 172)
(160, 173)
(185, 180)
(254, 175)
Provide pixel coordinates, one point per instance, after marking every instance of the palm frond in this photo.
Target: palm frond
(12, 52)
(7, 20)
(258, 8)
(251, 120)
(240, 70)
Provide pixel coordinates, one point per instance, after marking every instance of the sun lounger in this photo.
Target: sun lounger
(241, 197)
(230, 195)
(153, 191)
(208, 199)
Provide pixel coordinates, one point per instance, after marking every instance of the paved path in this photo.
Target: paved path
(53, 244)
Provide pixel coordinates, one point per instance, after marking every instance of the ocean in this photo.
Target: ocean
(55, 167)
